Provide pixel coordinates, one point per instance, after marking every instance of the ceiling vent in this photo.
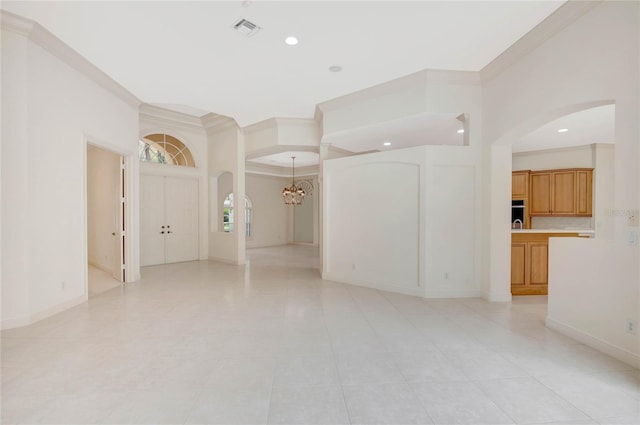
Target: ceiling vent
(245, 27)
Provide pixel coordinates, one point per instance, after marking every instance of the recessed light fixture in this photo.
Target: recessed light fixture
(461, 131)
(563, 130)
(335, 68)
(387, 143)
(291, 40)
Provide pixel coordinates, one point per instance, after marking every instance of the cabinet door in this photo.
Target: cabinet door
(538, 257)
(584, 192)
(519, 184)
(540, 194)
(518, 263)
(563, 186)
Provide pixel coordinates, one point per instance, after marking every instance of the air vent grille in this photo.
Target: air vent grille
(246, 27)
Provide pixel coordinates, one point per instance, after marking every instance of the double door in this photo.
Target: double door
(168, 219)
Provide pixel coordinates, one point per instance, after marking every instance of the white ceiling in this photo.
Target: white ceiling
(596, 125)
(185, 56)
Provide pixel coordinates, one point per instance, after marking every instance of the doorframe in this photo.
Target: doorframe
(131, 258)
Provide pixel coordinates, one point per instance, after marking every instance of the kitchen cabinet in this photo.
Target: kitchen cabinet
(565, 192)
(529, 265)
(530, 262)
(520, 184)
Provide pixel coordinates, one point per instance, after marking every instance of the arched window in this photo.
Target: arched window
(228, 212)
(164, 149)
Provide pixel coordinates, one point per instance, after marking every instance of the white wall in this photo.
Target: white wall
(593, 292)
(303, 220)
(549, 159)
(404, 220)
(50, 111)
(103, 208)
(225, 155)
(593, 61)
(270, 214)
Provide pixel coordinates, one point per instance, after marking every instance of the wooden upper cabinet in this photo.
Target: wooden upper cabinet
(540, 193)
(584, 192)
(519, 184)
(561, 192)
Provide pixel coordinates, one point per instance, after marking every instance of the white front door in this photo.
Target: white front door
(181, 218)
(168, 219)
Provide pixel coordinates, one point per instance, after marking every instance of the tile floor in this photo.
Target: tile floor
(209, 343)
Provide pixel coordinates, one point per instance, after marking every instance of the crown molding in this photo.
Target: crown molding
(166, 116)
(214, 123)
(52, 44)
(565, 15)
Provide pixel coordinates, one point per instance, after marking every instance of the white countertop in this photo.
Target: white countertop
(581, 231)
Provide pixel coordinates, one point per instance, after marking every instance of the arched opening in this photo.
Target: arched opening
(538, 145)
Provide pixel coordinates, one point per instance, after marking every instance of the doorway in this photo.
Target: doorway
(168, 219)
(105, 219)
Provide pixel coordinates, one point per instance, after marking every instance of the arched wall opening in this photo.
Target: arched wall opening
(501, 155)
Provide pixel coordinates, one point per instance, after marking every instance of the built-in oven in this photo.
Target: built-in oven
(518, 209)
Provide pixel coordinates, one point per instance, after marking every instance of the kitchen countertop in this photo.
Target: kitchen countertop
(581, 231)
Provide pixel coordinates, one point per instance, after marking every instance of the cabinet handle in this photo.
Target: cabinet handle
(169, 231)
(162, 233)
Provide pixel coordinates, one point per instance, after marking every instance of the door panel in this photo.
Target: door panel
(518, 262)
(564, 193)
(181, 217)
(152, 205)
(539, 260)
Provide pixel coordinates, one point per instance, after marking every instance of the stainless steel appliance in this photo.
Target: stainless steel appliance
(518, 210)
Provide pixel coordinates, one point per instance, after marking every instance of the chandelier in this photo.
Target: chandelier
(293, 195)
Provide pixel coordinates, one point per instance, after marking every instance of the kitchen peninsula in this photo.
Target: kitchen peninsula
(530, 258)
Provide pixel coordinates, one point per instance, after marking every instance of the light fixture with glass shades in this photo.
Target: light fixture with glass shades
(293, 195)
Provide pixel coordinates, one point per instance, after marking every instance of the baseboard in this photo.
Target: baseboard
(14, 323)
(461, 293)
(25, 321)
(614, 351)
(335, 277)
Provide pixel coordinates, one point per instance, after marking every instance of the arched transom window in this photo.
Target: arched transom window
(228, 212)
(164, 149)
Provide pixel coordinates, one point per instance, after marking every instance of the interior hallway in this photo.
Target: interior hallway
(205, 342)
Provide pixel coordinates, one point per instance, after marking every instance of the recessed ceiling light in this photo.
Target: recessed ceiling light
(461, 131)
(387, 143)
(291, 40)
(335, 68)
(563, 130)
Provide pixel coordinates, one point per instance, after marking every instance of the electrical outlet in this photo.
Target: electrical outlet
(631, 327)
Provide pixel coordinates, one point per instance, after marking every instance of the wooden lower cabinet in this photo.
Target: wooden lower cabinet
(530, 262)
